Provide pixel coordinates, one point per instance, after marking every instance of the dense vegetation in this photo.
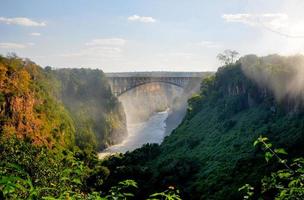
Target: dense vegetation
(99, 117)
(48, 127)
(285, 183)
(44, 151)
(27, 105)
(210, 155)
(64, 106)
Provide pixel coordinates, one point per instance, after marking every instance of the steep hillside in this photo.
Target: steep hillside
(48, 107)
(98, 116)
(178, 108)
(38, 155)
(27, 105)
(210, 155)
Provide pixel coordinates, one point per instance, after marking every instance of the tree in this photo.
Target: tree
(228, 56)
(48, 68)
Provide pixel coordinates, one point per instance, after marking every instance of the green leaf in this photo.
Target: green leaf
(77, 181)
(293, 183)
(263, 139)
(64, 178)
(268, 156)
(280, 151)
(268, 145)
(284, 175)
(256, 143)
(128, 194)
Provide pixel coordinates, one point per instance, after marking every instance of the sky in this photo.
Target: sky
(148, 35)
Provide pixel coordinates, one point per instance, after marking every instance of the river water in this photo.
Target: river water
(151, 131)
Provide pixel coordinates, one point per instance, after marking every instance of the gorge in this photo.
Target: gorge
(154, 103)
(190, 145)
(151, 100)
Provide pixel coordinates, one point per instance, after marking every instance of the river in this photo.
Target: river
(151, 131)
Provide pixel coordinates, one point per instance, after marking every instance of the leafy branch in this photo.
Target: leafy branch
(270, 153)
(284, 184)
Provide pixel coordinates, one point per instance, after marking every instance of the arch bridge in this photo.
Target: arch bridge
(123, 82)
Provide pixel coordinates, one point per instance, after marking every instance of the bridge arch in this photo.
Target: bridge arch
(121, 83)
(145, 83)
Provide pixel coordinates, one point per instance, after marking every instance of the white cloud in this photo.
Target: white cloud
(100, 48)
(177, 55)
(9, 45)
(279, 23)
(95, 52)
(22, 21)
(271, 20)
(35, 34)
(181, 54)
(107, 42)
(143, 19)
(208, 44)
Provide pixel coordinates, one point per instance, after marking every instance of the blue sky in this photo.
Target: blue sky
(148, 35)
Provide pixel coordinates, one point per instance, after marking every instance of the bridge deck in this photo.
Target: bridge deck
(156, 74)
(122, 82)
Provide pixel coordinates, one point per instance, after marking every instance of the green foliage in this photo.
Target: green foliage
(120, 192)
(28, 104)
(36, 169)
(248, 190)
(269, 152)
(207, 157)
(170, 194)
(18, 186)
(29, 172)
(38, 158)
(283, 184)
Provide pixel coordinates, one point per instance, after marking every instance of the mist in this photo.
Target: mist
(147, 108)
(145, 100)
(284, 76)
